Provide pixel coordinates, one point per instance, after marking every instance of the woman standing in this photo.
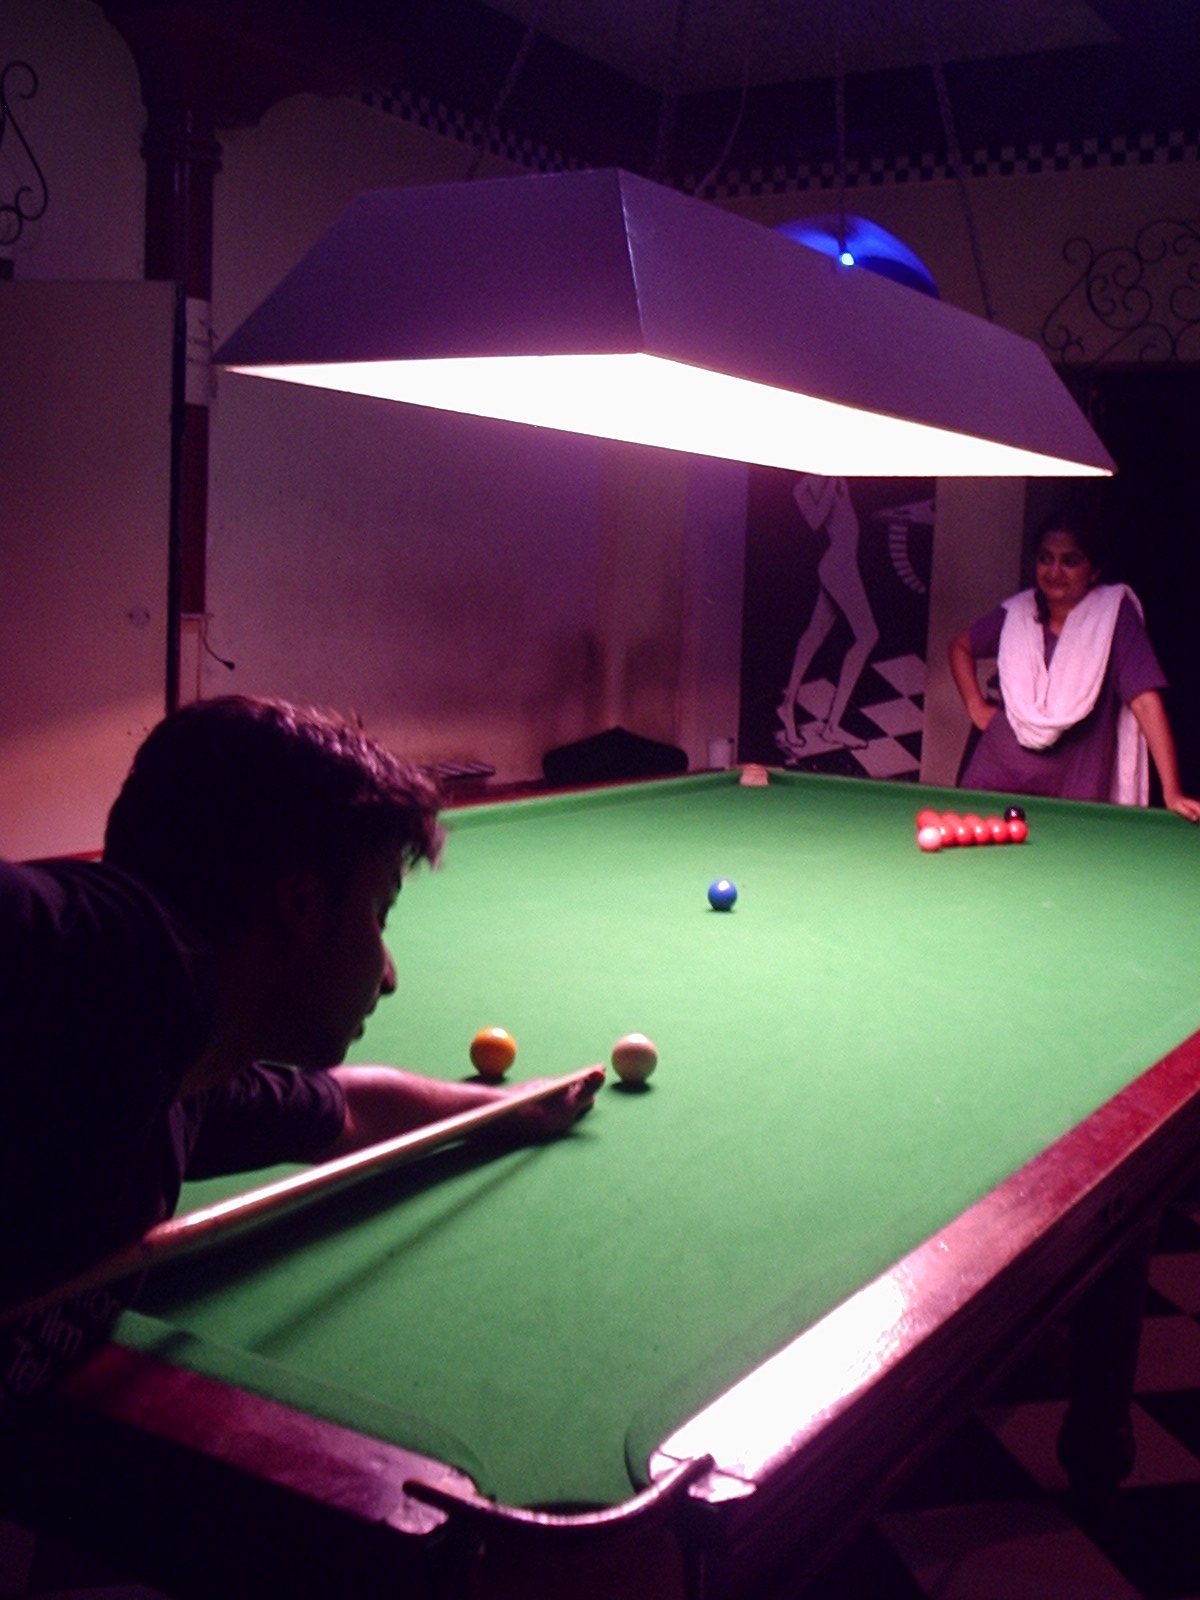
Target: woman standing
(1080, 707)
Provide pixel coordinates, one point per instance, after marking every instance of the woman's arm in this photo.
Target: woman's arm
(1151, 716)
(966, 678)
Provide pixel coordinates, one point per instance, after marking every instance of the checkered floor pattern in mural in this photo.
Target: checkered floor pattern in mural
(879, 735)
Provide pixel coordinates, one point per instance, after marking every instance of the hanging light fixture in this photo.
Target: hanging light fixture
(603, 303)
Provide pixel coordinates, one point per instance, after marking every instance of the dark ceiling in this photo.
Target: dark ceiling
(677, 87)
(704, 45)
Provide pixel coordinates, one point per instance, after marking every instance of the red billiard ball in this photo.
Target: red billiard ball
(998, 829)
(928, 819)
(1018, 830)
(970, 821)
(493, 1051)
(949, 826)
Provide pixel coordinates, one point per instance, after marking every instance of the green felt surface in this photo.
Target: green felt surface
(870, 1040)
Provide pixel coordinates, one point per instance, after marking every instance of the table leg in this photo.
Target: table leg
(1095, 1444)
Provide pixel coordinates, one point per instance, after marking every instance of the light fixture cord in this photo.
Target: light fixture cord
(711, 176)
(839, 115)
(954, 156)
(751, 13)
(670, 98)
(491, 127)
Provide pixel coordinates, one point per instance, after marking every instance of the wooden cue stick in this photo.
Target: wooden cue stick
(226, 1219)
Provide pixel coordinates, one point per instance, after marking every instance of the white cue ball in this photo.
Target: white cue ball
(634, 1058)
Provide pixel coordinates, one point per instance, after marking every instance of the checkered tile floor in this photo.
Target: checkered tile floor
(988, 1517)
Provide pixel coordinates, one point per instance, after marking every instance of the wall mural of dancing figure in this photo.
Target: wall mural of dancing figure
(835, 623)
(825, 505)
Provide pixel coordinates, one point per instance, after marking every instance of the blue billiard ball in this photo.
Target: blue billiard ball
(722, 894)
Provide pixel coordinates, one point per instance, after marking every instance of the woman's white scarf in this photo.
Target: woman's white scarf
(1042, 702)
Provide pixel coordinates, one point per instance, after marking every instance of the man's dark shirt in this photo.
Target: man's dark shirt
(106, 1001)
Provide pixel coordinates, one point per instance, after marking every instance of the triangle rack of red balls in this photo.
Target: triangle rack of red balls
(938, 829)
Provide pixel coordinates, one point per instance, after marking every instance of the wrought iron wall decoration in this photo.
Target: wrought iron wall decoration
(18, 163)
(1131, 303)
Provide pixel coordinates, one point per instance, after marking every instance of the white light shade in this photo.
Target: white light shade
(602, 303)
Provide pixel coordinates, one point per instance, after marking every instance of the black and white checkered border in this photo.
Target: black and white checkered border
(1064, 155)
(470, 131)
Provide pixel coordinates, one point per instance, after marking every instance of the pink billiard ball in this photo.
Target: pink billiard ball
(930, 837)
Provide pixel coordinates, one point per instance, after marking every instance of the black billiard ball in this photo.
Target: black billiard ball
(1014, 814)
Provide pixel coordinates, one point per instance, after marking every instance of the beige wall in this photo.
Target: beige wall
(436, 575)
(283, 182)
(85, 465)
(475, 590)
(84, 126)
(1023, 224)
(976, 563)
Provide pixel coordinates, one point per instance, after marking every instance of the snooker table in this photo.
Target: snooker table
(910, 1109)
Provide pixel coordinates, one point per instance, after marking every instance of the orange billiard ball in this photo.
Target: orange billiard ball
(493, 1051)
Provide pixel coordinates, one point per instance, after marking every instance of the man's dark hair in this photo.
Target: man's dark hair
(227, 794)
